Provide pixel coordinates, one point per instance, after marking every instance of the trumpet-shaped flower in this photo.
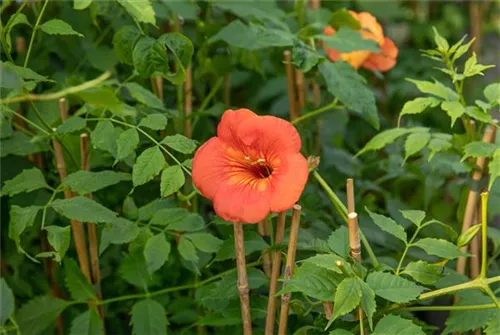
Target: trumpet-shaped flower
(252, 167)
(370, 29)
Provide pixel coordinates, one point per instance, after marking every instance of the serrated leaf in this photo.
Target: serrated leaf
(439, 247)
(85, 182)
(20, 218)
(83, 209)
(87, 323)
(460, 49)
(103, 136)
(124, 41)
(20, 144)
(154, 121)
(190, 222)
(181, 48)
(72, 124)
(58, 27)
(416, 142)
(393, 288)
(367, 302)
(37, 314)
(315, 282)
(383, 138)
(8, 302)
(478, 114)
(494, 167)
(326, 261)
(478, 149)
(388, 225)
(439, 142)
(396, 325)
(140, 10)
(144, 96)
(148, 317)
(127, 143)
(149, 163)
(252, 241)
(150, 57)
(77, 284)
(347, 297)
(454, 109)
(134, 270)
(167, 216)
(205, 242)
(423, 272)
(120, 231)
(59, 238)
(187, 250)
(349, 87)
(156, 252)
(339, 242)
(414, 216)
(27, 181)
(492, 93)
(436, 89)
(418, 105)
(180, 143)
(172, 179)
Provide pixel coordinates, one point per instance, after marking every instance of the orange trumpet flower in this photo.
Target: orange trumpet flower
(252, 167)
(370, 29)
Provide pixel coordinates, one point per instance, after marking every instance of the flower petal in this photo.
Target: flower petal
(227, 130)
(385, 60)
(370, 28)
(208, 167)
(241, 202)
(288, 182)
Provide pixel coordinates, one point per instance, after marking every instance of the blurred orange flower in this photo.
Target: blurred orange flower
(370, 29)
(252, 167)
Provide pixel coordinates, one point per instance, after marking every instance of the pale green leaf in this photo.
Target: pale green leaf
(454, 109)
(27, 181)
(85, 182)
(393, 288)
(126, 143)
(154, 121)
(172, 179)
(339, 242)
(148, 317)
(37, 314)
(492, 93)
(494, 167)
(156, 252)
(440, 41)
(418, 105)
(180, 143)
(83, 209)
(148, 165)
(423, 272)
(436, 89)
(87, 323)
(396, 325)
(81, 4)
(478, 149)
(388, 225)
(140, 10)
(414, 216)
(439, 247)
(383, 138)
(326, 261)
(348, 40)
(58, 27)
(415, 142)
(315, 282)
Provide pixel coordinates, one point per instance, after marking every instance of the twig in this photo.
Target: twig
(242, 278)
(188, 102)
(275, 273)
(227, 90)
(91, 227)
(292, 100)
(263, 229)
(474, 249)
(290, 260)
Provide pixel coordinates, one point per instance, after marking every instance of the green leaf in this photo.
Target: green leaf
(418, 105)
(28, 76)
(436, 88)
(77, 284)
(19, 144)
(101, 97)
(252, 37)
(439, 247)
(154, 121)
(342, 18)
(103, 136)
(127, 143)
(388, 225)
(367, 303)
(415, 142)
(85, 182)
(180, 143)
(83, 209)
(326, 261)
(478, 149)
(87, 323)
(71, 125)
(156, 252)
(383, 138)
(339, 242)
(172, 179)
(423, 272)
(150, 57)
(182, 50)
(460, 49)
(20, 218)
(148, 317)
(454, 109)
(315, 282)
(140, 10)
(472, 68)
(59, 238)
(439, 142)
(347, 297)
(393, 288)
(304, 58)
(58, 27)
(8, 302)
(441, 43)
(205, 242)
(14, 20)
(144, 96)
(340, 332)
(414, 216)
(266, 11)
(492, 93)
(133, 269)
(191, 222)
(187, 250)
(81, 4)
(167, 216)
(396, 325)
(120, 231)
(130, 209)
(123, 43)
(349, 87)
(493, 326)
(347, 40)
(494, 167)
(149, 163)
(37, 314)
(253, 242)
(27, 181)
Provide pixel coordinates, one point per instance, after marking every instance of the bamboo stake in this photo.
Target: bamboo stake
(263, 229)
(91, 227)
(290, 260)
(275, 273)
(159, 87)
(188, 102)
(76, 226)
(242, 278)
(20, 45)
(475, 24)
(472, 199)
(299, 83)
(227, 90)
(292, 100)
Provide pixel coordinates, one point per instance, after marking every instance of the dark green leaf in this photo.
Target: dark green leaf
(127, 143)
(87, 323)
(27, 181)
(133, 269)
(77, 284)
(167, 216)
(83, 209)
(59, 238)
(205, 242)
(140, 10)
(20, 218)
(393, 288)
(182, 50)
(315, 282)
(172, 179)
(144, 96)
(72, 124)
(8, 302)
(304, 58)
(423, 272)
(123, 43)
(20, 144)
(190, 222)
(150, 57)
(494, 167)
(103, 136)
(347, 297)
(37, 314)
(180, 143)
(187, 250)
(326, 261)
(149, 163)
(367, 303)
(396, 325)
(148, 317)
(156, 252)
(342, 18)
(58, 27)
(253, 242)
(85, 182)
(339, 242)
(388, 225)
(154, 121)
(120, 231)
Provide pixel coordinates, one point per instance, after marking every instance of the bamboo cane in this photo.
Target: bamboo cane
(301, 97)
(263, 229)
(242, 278)
(188, 102)
(292, 100)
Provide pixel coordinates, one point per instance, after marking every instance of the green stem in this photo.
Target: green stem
(35, 28)
(4, 29)
(44, 212)
(409, 245)
(451, 289)
(318, 111)
(211, 94)
(40, 117)
(489, 292)
(484, 240)
(27, 120)
(342, 210)
(448, 308)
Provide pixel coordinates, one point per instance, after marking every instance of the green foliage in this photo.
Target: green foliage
(88, 322)
(147, 166)
(26, 181)
(393, 288)
(396, 325)
(83, 209)
(37, 314)
(148, 317)
(7, 298)
(76, 283)
(85, 182)
(439, 247)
